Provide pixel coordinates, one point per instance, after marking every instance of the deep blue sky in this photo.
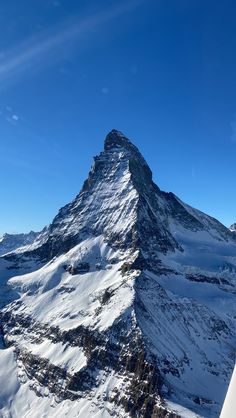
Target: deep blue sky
(163, 72)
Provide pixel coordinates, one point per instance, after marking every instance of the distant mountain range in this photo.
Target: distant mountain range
(124, 306)
(10, 242)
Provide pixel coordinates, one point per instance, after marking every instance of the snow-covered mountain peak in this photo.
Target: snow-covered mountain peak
(111, 202)
(116, 139)
(117, 144)
(120, 201)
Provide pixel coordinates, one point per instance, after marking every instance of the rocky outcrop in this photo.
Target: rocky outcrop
(125, 355)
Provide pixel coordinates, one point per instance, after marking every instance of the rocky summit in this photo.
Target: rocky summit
(124, 306)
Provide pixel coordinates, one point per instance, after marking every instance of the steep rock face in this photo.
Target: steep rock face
(129, 306)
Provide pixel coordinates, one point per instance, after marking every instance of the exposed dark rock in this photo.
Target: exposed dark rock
(126, 356)
(206, 279)
(80, 268)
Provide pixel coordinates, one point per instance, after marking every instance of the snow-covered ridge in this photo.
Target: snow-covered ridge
(11, 242)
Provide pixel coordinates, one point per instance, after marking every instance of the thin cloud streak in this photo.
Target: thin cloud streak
(39, 52)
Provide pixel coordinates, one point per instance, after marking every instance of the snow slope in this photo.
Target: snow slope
(229, 406)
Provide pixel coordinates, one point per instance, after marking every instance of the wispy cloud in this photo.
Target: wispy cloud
(15, 117)
(45, 49)
(9, 115)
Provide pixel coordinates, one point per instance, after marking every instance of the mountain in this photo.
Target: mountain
(11, 242)
(123, 307)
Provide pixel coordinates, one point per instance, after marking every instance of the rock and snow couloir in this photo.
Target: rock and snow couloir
(124, 306)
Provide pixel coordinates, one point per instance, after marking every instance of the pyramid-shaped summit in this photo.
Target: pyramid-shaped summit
(120, 201)
(116, 195)
(128, 306)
